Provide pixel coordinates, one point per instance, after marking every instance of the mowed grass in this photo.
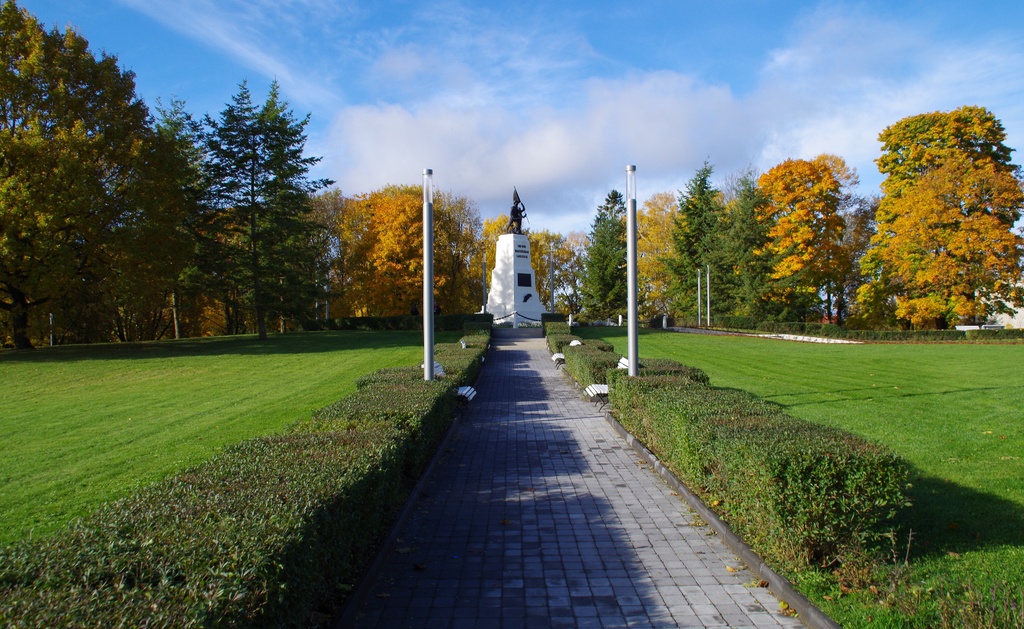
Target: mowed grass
(954, 411)
(83, 425)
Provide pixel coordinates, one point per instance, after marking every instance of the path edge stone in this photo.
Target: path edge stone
(807, 612)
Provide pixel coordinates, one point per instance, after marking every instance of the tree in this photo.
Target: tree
(261, 181)
(948, 248)
(391, 283)
(744, 283)
(654, 247)
(944, 250)
(805, 199)
(859, 227)
(457, 253)
(604, 287)
(572, 280)
(73, 139)
(693, 236)
(548, 256)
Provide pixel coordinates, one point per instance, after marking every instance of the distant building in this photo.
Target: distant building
(1016, 320)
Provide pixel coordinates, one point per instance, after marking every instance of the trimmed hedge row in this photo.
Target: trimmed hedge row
(589, 364)
(257, 536)
(265, 534)
(1015, 334)
(830, 330)
(556, 327)
(445, 323)
(801, 494)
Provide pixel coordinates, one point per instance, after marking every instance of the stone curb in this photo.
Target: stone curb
(807, 612)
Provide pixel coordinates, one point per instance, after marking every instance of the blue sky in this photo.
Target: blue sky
(556, 98)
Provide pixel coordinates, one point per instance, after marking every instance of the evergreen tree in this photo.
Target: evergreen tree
(694, 237)
(261, 182)
(746, 267)
(604, 286)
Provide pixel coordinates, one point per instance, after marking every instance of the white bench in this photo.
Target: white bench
(438, 369)
(465, 395)
(623, 363)
(597, 393)
(575, 342)
(559, 359)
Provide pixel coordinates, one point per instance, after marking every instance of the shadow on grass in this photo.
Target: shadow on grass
(946, 517)
(241, 345)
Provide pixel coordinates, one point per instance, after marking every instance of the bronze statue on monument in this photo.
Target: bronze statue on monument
(516, 214)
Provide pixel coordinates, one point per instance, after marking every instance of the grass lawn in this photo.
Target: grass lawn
(954, 411)
(83, 425)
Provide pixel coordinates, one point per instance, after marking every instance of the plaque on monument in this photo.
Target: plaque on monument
(513, 293)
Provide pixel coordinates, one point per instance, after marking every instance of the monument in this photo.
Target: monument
(513, 295)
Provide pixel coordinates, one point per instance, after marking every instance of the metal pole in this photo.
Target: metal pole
(483, 255)
(707, 287)
(428, 274)
(634, 359)
(698, 298)
(551, 276)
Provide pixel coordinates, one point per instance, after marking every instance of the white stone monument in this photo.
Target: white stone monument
(513, 295)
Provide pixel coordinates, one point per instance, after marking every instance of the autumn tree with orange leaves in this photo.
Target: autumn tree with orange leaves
(804, 206)
(945, 251)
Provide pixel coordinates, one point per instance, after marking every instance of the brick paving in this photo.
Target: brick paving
(540, 515)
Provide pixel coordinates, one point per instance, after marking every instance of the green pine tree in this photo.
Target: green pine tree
(261, 181)
(604, 286)
(694, 237)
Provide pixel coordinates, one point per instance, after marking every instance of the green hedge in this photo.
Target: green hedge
(556, 327)
(801, 494)
(558, 342)
(588, 364)
(830, 330)
(258, 536)
(1016, 334)
(735, 322)
(443, 323)
(265, 534)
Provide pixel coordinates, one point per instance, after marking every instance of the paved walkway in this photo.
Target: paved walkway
(539, 515)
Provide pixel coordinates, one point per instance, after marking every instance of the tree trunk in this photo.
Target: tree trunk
(174, 314)
(19, 319)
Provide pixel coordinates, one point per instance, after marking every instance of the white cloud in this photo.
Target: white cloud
(663, 122)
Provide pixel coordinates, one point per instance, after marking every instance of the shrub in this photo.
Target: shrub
(553, 317)
(556, 327)
(558, 342)
(1016, 334)
(587, 363)
(799, 492)
(257, 536)
(476, 328)
(261, 535)
(735, 322)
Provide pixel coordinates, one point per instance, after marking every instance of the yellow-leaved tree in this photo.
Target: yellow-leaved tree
(803, 209)
(945, 250)
(654, 246)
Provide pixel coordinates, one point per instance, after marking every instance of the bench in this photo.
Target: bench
(597, 393)
(465, 395)
(559, 359)
(624, 363)
(575, 342)
(438, 369)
